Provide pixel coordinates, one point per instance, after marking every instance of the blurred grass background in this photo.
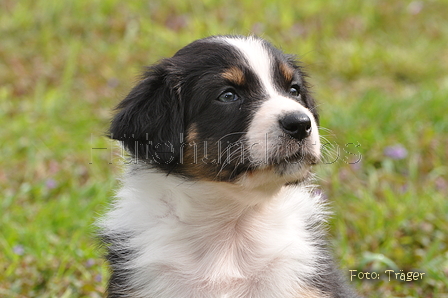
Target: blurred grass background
(379, 70)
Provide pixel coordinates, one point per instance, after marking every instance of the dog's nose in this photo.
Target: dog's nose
(297, 125)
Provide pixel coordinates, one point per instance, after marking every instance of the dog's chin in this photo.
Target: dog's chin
(292, 171)
(297, 165)
(273, 176)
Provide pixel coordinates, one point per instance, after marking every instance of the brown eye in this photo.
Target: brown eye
(294, 91)
(228, 96)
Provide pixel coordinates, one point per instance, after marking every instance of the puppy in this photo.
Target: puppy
(217, 201)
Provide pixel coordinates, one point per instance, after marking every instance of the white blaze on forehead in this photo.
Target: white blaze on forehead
(258, 57)
(264, 132)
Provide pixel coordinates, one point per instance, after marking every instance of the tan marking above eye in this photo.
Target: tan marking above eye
(234, 75)
(287, 71)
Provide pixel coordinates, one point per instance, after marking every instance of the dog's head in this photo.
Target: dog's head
(223, 108)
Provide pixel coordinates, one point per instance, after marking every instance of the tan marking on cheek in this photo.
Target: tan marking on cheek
(192, 133)
(191, 153)
(234, 75)
(287, 71)
(204, 159)
(195, 159)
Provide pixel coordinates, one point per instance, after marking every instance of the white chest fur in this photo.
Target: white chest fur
(204, 239)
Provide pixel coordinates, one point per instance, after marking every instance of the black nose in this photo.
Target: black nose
(297, 125)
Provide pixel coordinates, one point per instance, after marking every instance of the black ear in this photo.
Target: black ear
(150, 120)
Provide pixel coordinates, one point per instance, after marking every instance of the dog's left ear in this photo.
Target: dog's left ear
(150, 120)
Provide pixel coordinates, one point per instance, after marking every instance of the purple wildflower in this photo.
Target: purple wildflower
(18, 250)
(441, 184)
(357, 165)
(396, 152)
(113, 83)
(90, 263)
(404, 188)
(51, 183)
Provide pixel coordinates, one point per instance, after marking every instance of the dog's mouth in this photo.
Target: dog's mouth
(289, 160)
(289, 169)
(295, 165)
(300, 157)
(290, 152)
(276, 157)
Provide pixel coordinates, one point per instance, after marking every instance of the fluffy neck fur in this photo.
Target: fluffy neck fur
(214, 239)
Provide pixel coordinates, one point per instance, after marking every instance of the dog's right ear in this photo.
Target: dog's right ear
(150, 121)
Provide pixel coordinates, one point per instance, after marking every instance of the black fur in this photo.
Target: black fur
(181, 91)
(173, 111)
(150, 120)
(117, 256)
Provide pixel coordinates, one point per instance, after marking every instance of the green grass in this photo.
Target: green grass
(379, 70)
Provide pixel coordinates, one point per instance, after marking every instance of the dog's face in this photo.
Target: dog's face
(223, 108)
